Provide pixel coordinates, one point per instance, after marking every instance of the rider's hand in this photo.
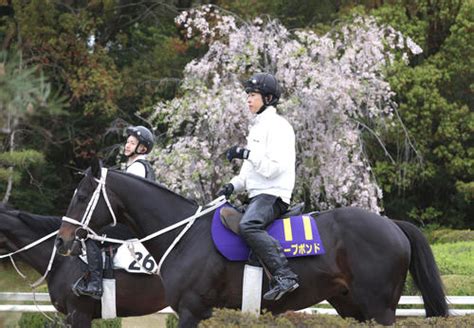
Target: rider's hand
(237, 152)
(226, 190)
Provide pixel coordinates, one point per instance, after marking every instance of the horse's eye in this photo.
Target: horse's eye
(81, 198)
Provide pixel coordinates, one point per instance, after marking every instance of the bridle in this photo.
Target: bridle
(82, 232)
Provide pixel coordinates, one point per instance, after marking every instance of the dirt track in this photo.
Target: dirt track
(148, 321)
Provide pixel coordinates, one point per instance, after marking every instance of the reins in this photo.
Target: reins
(27, 247)
(48, 268)
(84, 223)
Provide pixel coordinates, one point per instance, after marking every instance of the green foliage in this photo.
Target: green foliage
(22, 159)
(6, 174)
(171, 321)
(434, 95)
(445, 235)
(458, 285)
(455, 258)
(110, 323)
(38, 320)
(137, 57)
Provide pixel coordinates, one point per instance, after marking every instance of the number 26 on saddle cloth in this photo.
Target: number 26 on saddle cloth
(298, 236)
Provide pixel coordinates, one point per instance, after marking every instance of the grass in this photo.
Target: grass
(10, 280)
(455, 258)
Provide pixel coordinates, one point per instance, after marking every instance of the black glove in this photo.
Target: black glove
(237, 152)
(226, 190)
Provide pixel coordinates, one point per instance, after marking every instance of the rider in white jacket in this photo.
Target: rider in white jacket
(268, 174)
(270, 166)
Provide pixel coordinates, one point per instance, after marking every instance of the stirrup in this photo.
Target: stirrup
(80, 289)
(277, 292)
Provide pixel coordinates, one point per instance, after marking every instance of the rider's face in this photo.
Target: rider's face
(254, 101)
(130, 146)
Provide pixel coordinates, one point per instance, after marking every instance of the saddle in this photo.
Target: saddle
(230, 217)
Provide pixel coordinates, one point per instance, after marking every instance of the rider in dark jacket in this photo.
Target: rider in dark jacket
(268, 174)
(139, 143)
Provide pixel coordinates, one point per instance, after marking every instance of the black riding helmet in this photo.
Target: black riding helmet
(144, 136)
(266, 84)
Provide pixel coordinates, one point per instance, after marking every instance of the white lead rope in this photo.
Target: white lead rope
(27, 247)
(177, 239)
(50, 264)
(33, 244)
(220, 201)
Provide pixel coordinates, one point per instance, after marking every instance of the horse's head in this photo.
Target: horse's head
(88, 209)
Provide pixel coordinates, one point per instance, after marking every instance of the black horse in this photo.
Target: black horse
(362, 273)
(136, 294)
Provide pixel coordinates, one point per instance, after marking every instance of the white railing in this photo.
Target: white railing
(42, 298)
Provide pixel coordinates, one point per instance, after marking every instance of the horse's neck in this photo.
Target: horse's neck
(150, 206)
(20, 236)
(163, 209)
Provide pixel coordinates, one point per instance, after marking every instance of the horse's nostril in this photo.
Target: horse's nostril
(59, 242)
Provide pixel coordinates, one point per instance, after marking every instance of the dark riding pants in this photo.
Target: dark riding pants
(263, 210)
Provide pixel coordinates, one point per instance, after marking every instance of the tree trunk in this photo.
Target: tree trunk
(8, 191)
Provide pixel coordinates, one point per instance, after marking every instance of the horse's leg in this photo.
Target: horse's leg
(191, 311)
(346, 307)
(187, 319)
(76, 319)
(377, 293)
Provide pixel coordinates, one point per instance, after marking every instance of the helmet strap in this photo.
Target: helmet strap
(265, 103)
(262, 109)
(138, 146)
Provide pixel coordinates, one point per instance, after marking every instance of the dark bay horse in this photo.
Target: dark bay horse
(362, 273)
(136, 294)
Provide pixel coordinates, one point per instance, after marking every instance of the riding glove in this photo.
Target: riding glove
(226, 190)
(237, 152)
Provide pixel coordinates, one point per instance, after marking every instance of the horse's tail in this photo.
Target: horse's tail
(425, 272)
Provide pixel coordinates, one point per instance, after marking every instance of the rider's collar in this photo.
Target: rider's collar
(270, 110)
(141, 156)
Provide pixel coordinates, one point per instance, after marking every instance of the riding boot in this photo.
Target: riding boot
(253, 259)
(260, 213)
(284, 280)
(93, 285)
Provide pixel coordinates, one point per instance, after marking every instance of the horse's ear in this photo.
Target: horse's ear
(96, 167)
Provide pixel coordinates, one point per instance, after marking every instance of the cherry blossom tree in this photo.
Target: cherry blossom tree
(334, 90)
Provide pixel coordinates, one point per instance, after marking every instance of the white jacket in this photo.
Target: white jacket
(270, 168)
(137, 168)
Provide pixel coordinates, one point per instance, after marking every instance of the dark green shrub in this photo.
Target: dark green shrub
(235, 319)
(171, 321)
(110, 323)
(38, 320)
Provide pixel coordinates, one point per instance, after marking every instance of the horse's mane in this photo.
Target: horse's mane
(5, 207)
(156, 185)
(39, 223)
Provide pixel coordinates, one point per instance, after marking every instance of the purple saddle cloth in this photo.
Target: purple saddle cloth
(298, 236)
